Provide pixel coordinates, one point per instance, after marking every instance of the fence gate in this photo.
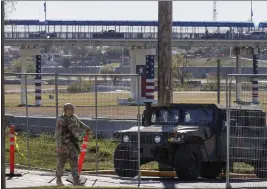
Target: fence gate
(246, 107)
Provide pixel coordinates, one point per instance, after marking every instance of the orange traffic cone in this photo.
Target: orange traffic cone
(82, 154)
(80, 161)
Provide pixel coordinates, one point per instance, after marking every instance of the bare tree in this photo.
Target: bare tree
(9, 7)
(110, 71)
(180, 71)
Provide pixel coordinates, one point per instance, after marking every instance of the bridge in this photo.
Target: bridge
(133, 33)
(141, 36)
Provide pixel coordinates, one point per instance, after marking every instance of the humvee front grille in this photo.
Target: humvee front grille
(144, 139)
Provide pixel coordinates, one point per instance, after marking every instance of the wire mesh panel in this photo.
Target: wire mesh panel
(40, 120)
(247, 131)
(15, 94)
(79, 90)
(117, 111)
(103, 103)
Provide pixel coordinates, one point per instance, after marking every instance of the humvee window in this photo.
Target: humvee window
(165, 116)
(198, 116)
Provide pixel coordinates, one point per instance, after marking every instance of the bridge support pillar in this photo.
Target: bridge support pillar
(25, 52)
(23, 69)
(238, 71)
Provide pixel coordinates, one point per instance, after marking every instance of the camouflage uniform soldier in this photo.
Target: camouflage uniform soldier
(67, 125)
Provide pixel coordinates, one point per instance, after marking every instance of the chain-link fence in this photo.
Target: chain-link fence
(101, 101)
(247, 131)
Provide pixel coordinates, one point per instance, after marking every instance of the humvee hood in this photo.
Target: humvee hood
(166, 128)
(152, 128)
(182, 128)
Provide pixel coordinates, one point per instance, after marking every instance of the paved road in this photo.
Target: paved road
(37, 178)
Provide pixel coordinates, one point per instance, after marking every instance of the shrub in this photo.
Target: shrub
(80, 87)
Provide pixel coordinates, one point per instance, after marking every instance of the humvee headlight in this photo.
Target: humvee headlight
(125, 138)
(157, 139)
(116, 134)
(176, 137)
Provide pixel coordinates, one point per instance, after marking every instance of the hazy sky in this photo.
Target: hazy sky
(138, 10)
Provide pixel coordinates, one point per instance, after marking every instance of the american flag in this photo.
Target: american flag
(147, 78)
(150, 88)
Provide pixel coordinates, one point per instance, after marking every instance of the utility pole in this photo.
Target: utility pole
(165, 89)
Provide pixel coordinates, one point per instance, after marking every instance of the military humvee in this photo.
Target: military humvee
(191, 138)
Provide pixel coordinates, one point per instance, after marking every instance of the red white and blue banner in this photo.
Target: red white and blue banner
(147, 78)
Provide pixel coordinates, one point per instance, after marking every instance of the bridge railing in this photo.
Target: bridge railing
(131, 35)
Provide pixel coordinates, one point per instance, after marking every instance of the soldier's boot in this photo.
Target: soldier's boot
(59, 181)
(76, 182)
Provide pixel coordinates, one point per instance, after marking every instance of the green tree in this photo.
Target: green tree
(16, 65)
(117, 51)
(179, 69)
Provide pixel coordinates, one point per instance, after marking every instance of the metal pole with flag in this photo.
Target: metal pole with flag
(251, 12)
(45, 14)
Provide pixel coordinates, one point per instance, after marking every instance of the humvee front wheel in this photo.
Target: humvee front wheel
(211, 170)
(188, 162)
(125, 164)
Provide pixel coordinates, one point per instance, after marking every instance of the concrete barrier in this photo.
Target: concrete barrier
(38, 125)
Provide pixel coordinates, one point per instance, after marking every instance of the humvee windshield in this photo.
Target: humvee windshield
(198, 116)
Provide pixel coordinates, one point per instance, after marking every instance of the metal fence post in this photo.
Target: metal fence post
(218, 81)
(27, 122)
(227, 135)
(96, 125)
(56, 93)
(228, 185)
(138, 112)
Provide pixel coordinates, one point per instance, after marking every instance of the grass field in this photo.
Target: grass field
(107, 102)
(42, 149)
(43, 155)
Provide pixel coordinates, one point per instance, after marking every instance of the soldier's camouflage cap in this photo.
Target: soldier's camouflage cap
(68, 106)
